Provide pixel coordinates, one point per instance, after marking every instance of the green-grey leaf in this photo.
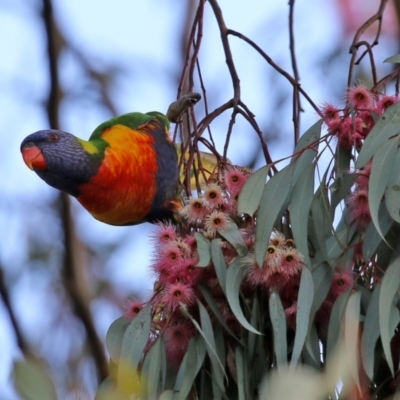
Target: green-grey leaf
(241, 373)
(220, 345)
(203, 249)
(114, 337)
(392, 192)
(382, 165)
(302, 197)
(370, 333)
(207, 329)
(32, 381)
(167, 395)
(187, 372)
(201, 352)
(234, 237)
(136, 336)
(336, 320)
(252, 337)
(153, 372)
(208, 297)
(304, 303)
(390, 284)
(275, 194)
(322, 278)
(309, 137)
(219, 262)
(311, 351)
(250, 195)
(351, 328)
(338, 243)
(234, 276)
(388, 125)
(340, 189)
(393, 59)
(217, 367)
(372, 239)
(278, 320)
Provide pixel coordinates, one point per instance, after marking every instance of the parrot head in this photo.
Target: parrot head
(59, 159)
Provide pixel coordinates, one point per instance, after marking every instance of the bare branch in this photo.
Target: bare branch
(296, 94)
(72, 285)
(14, 322)
(355, 44)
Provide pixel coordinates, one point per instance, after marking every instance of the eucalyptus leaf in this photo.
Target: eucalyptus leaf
(322, 278)
(153, 372)
(275, 196)
(251, 193)
(304, 303)
(187, 372)
(252, 337)
(278, 320)
(311, 350)
(208, 297)
(392, 192)
(386, 126)
(114, 337)
(382, 165)
(219, 262)
(203, 249)
(208, 335)
(32, 380)
(370, 333)
(167, 395)
(336, 320)
(393, 59)
(217, 365)
(390, 285)
(340, 189)
(136, 336)
(338, 243)
(201, 349)
(372, 239)
(351, 328)
(302, 197)
(241, 373)
(309, 138)
(234, 237)
(234, 277)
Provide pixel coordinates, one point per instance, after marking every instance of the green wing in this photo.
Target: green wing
(132, 120)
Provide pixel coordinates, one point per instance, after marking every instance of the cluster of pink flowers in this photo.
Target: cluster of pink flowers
(177, 277)
(352, 124)
(174, 265)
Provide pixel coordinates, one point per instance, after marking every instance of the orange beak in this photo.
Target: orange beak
(33, 158)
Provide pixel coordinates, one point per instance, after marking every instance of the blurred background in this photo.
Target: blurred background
(117, 56)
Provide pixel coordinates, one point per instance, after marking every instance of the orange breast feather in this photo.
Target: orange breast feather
(123, 189)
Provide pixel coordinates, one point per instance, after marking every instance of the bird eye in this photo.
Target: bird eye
(53, 137)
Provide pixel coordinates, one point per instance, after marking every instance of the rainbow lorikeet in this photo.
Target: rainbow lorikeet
(125, 174)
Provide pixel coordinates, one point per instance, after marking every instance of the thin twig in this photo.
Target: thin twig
(276, 67)
(296, 94)
(353, 48)
(227, 50)
(368, 50)
(14, 322)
